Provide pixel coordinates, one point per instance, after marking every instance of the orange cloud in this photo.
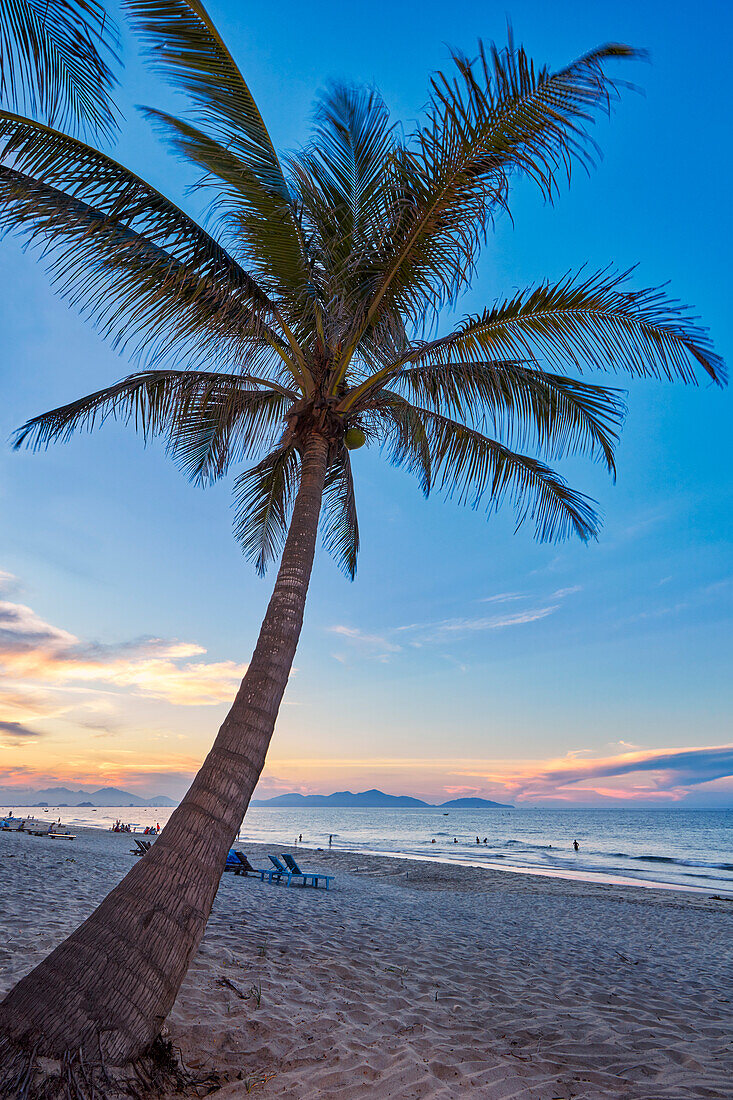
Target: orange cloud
(34, 651)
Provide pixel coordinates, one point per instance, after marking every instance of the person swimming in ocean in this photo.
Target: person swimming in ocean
(576, 845)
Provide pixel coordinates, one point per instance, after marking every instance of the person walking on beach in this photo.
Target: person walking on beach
(576, 845)
(330, 839)
(300, 838)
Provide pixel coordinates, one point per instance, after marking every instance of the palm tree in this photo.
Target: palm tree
(56, 60)
(295, 330)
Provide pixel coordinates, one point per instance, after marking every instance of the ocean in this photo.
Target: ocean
(684, 849)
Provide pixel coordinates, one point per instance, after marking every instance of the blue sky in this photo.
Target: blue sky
(464, 657)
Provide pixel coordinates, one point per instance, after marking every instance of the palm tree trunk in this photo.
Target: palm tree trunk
(106, 990)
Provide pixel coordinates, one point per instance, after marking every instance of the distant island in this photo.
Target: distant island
(112, 796)
(62, 796)
(373, 799)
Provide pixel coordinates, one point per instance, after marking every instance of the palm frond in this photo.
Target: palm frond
(258, 231)
(339, 523)
(397, 425)
(498, 115)
(156, 402)
(345, 162)
(264, 497)
(225, 424)
(57, 60)
(184, 46)
(560, 415)
(588, 322)
(474, 467)
(124, 254)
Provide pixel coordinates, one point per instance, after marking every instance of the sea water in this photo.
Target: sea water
(690, 849)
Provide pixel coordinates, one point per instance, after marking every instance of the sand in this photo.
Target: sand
(414, 980)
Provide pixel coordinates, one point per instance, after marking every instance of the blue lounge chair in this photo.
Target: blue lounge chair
(280, 871)
(314, 877)
(240, 865)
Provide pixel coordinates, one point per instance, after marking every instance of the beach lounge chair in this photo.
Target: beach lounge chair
(280, 872)
(143, 846)
(295, 872)
(240, 865)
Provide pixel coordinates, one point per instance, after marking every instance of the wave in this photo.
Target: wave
(684, 862)
(561, 853)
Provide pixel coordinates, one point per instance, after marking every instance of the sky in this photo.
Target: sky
(465, 659)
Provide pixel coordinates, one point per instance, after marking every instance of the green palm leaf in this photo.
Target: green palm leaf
(156, 402)
(184, 46)
(496, 116)
(253, 219)
(467, 464)
(526, 406)
(341, 175)
(226, 424)
(588, 322)
(263, 498)
(57, 59)
(158, 277)
(397, 425)
(581, 322)
(339, 523)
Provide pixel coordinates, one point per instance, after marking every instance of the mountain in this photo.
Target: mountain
(369, 800)
(474, 804)
(62, 796)
(366, 799)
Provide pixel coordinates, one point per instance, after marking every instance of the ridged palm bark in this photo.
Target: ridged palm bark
(300, 321)
(106, 990)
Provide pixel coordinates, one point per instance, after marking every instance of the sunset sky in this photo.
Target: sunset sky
(464, 659)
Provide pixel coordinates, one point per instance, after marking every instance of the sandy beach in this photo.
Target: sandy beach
(415, 980)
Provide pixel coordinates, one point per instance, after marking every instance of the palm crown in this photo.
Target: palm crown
(309, 303)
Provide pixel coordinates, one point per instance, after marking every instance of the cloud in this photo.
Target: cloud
(374, 645)
(16, 731)
(504, 597)
(33, 651)
(8, 583)
(452, 628)
(662, 774)
(356, 635)
(460, 792)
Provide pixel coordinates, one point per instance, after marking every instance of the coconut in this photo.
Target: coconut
(354, 438)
